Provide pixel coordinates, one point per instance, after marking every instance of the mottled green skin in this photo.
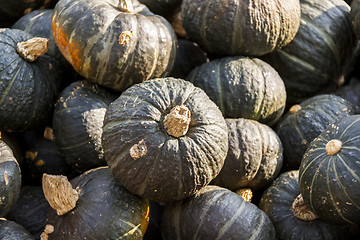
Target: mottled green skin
(251, 28)
(314, 62)
(161, 7)
(10, 179)
(297, 130)
(355, 17)
(254, 158)
(28, 90)
(10, 230)
(242, 87)
(30, 210)
(105, 210)
(172, 168)
(215, 213)
(277, 202)
(329, 184)
(87, 33)
(77, 124)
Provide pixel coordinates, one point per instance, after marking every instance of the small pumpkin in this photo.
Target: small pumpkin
(93, 206)
(291, 218)
(305, 121)
(242, 87)
(10, 179)
(77, 124)
(114, 43)
(254, 158)
(164, 139)
(251, 28)
(29, 81)
(329, 172)
(10, 230)
(315, 62)
(215, 213)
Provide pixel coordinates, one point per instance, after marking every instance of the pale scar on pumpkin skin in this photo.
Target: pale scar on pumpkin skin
(138, 150)
(6, 177)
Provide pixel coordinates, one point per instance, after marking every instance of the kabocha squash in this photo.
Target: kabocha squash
(242, 87)
(10, 179)
(251, 28)
(305, 121)
(291, 218)
(30, 210)
(164, 139)
(355, 17)
(93, 206)
(77, 124)
(215, 213)
(254, 158)
(315, 61)
(29, 81)
(114, 43)
(330, 172)
(10, 230)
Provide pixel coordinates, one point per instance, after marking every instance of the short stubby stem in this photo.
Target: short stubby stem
(301, 210)
(177, 122)
(31, 49)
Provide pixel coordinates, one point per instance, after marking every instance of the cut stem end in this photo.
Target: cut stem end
(31, 49)
(177, 122)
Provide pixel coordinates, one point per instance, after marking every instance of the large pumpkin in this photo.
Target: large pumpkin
(316, 60)
(164, 139)
(115, 43)
(241, 27)
(330, 172)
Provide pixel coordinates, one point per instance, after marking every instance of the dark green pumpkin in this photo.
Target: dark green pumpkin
(28, 89)
(351, 92)
(77, 124)
(330, 172)
(242, 87)
(251, 28)
(315, 61)
(355, 16)
(104, 210)
(277, 202)
(254, 158)
(10, 179)
(111, 44)
(146, 153)
(161, 7)
(10, 230)
(305, 121)
(215, 213)
(30, 210)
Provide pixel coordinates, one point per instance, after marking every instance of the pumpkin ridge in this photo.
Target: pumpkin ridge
(309, 164)
(220, 85)
(347, 128)
(9, 86)
(349, 168)
(156, 53)
(236, 28)
(262, 103)
(203, 26)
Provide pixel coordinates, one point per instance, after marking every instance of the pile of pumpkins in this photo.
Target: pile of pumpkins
(179, 119)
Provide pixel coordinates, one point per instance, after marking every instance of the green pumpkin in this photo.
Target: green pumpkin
(242, 87)
(316, 60)
(251, 28)
(114, 43)
(215, 213)
(254, 158)
(10, 230)
(305, 121)
(330, 172)
(351, 92)
(164, 139)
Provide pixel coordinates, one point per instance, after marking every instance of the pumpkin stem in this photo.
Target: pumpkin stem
(333, 146)
(177, 122)
(59, 193)
(294, 108)
(302, 211)
(31, 49)
(126, 6)
(245, 193)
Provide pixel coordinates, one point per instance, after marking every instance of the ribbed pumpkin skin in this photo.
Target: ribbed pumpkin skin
(355, 17)
(88, 34)
(277, 201)
(10, 179)
(297, 130)
(251, 28)
(28, 89)
(105, 210)
(254, 158)
(242, 87)
(215, 213)
(10, 230)
(313, 63)
(77, 124)
(171, 168)
(329, 184)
